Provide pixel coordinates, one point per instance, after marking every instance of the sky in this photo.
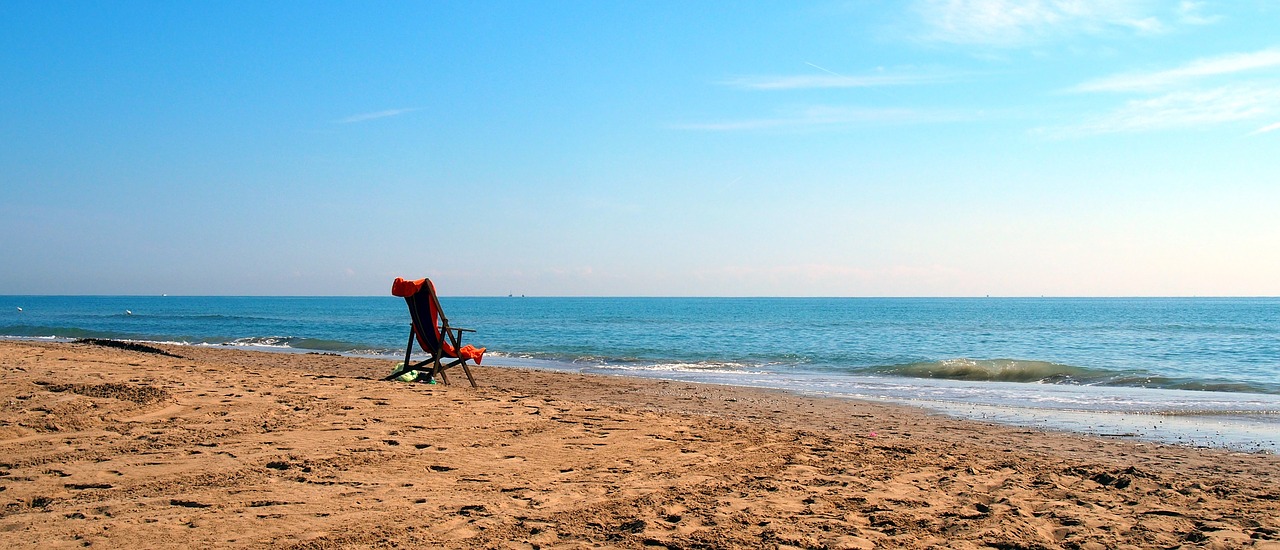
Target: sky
(656, 148)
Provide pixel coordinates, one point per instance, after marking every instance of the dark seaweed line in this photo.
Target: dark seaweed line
(131, 346)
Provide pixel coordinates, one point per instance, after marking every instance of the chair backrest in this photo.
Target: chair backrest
(425, 310)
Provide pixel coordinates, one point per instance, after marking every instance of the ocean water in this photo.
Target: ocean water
(1199, 371)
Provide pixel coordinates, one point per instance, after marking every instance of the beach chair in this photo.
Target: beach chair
(434, 335)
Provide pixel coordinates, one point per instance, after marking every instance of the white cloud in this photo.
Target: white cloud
(1205, 67)
(376, 115)
(1202, 92)
(1265, 129)
(1189, 13)
(1012, 23)
(1183, 109)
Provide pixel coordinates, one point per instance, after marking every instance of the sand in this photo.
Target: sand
(103, 447)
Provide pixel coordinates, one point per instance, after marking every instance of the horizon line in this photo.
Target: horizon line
(657, 296)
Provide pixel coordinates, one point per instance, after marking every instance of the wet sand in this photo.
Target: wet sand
(102, 447)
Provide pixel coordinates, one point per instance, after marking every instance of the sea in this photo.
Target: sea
(1189, 371)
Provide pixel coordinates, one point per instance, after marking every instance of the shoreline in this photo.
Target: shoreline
(1238, 421)
(256, 449)
(1249, 423)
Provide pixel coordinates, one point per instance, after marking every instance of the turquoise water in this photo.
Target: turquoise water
(1209, 366)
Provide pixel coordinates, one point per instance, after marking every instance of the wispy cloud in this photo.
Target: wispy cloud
(374, 116)
(1200, 68)
(833, 80)
(1265, 129)
(1183, 109)
(1011, 23)
(1190, 13)
(829, 117)
(1202, 92)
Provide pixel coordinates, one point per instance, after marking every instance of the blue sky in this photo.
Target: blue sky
(860, 148)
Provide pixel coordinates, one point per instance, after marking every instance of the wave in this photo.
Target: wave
(722, 367)
(267, 342)
(1044, 372)
(1213, 412)
(1019, 371)
(961, 369)
(30, 331)
(303, 343)
(1195, 385)
(996, 370)
(630, 364)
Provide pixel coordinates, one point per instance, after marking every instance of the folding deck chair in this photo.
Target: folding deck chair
(431, 328)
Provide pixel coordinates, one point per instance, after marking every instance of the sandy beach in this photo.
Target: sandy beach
(102, 447)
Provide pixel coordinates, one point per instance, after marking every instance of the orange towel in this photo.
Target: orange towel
(468, 352)
(405, 289)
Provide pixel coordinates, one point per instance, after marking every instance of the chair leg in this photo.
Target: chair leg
(407, 366)
(467, 370)
(437, 369)
(408, 349)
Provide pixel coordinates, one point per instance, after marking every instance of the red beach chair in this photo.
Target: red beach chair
(434, 335)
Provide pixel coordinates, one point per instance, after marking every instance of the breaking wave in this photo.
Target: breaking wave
(1044, 372)
(302, 343)
(268, 342)
(997, 370)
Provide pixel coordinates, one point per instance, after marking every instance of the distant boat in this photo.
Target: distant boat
(127, 312)
(19, 310)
